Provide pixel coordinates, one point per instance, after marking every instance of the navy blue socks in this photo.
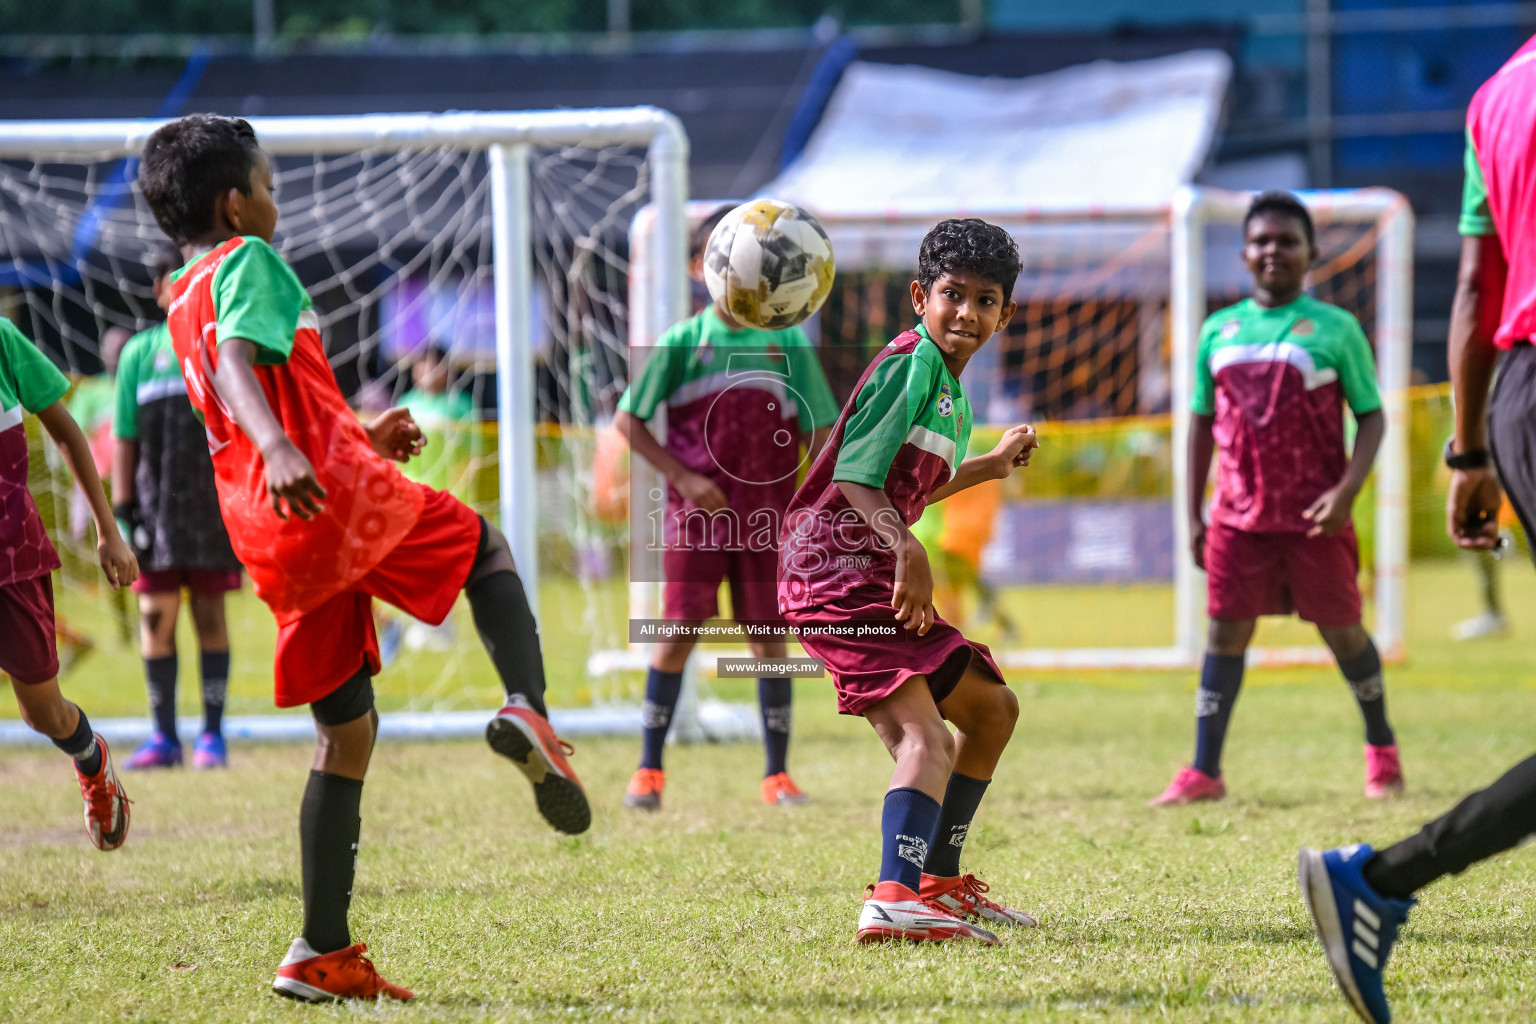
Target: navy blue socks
(774, 697)
(661, 692)
(907, 826)
(160, 674)
(215, 683)
(961, 799)
(1220, 679)
(81, 745)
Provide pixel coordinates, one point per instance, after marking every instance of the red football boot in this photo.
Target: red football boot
(345, 974)
(894, 912)
(106, 804)
(522, 735)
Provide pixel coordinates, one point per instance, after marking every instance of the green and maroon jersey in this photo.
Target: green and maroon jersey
(173, 477)
(905, 430)
(29, 382)
(737, 402)
(1276, 381)
(243, 289)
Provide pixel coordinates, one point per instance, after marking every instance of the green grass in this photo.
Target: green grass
(719, 909)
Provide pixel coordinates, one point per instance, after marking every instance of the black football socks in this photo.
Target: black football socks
(160, 674)
(775, 697)
(961, 798)
(661, 693)
(1363, 673)
(510, 634)
(215, 684)
(907, 826)
(1221, 677)
(329, 825)
(81, 745)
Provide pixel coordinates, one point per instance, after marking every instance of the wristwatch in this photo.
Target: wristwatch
(1475, 459)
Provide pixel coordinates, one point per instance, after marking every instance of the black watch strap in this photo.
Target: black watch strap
(1475, 459)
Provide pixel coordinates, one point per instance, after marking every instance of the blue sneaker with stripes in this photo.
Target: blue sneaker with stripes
(1356, 925)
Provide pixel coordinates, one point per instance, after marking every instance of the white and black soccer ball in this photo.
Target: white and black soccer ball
(769, 263)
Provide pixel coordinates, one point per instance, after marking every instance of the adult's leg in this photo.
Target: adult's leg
(330, 823)
(1487, 822)
(208, 614)
(158, 611)
(505, 620)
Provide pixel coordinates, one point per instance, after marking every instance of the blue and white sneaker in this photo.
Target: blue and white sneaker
(1356, 925)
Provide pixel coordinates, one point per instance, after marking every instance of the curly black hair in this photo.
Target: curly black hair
(1284, 204)
(970, 245)
(188, 163)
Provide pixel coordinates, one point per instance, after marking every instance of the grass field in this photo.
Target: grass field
(720, 909)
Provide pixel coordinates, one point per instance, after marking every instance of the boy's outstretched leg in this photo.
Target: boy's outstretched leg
(909, 724)
(985, 712)
(45, 710)
(1360, 663)
(521, 730)
(323, 965)
(1221, 677)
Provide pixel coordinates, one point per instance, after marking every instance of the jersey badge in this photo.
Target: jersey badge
(946, 400)
(1302, 327)
(162, 361)
(706, 355)
(1230, 328)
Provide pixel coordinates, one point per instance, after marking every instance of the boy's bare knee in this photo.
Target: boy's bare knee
(1006, 712)
(931, 743)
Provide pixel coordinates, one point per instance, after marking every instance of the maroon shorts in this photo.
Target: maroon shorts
(868, 663)
(1254, 574)
(692, 590)
(29, 653)
(206, 582)
(422, 576)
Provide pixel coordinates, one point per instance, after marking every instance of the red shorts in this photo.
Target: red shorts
(692, 590)
(29, 654)
(422, 576)
(1253, 574)
(199, 581)
(868, 668)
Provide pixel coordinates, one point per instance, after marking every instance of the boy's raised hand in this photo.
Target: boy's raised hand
(117, 560)
(913, 596)
(291, 478)
(1013, 451)
(395, 435)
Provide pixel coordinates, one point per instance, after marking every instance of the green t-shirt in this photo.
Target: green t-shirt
(447, 419)
(258, 297)
(91, 404)
(915, 399)
(1475, 216)
(146, 371)
(28, 379)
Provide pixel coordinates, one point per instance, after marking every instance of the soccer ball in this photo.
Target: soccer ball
(769, 264)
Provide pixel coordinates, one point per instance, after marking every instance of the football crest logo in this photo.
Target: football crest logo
(1302, 328)
(1230, 328)
(946, 402)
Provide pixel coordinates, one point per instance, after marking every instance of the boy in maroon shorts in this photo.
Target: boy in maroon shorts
(848, 558)
(29, 383)
(324, 522)
(1272, 377)
(166, 505)
(741, 402)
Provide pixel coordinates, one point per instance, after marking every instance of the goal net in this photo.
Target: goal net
(1079, 562)
(473, 267)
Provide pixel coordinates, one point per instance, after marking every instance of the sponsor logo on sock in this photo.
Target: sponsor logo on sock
(654, 716)
(1367, 689)
(776, 719)
(912, 849)
(1207, 703)
(958, 833)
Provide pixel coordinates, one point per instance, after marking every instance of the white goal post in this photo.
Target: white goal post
(39, 244)
(1178, 282)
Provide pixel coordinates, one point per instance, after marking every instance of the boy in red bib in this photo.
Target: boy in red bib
(324, 522)
(848, 558)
